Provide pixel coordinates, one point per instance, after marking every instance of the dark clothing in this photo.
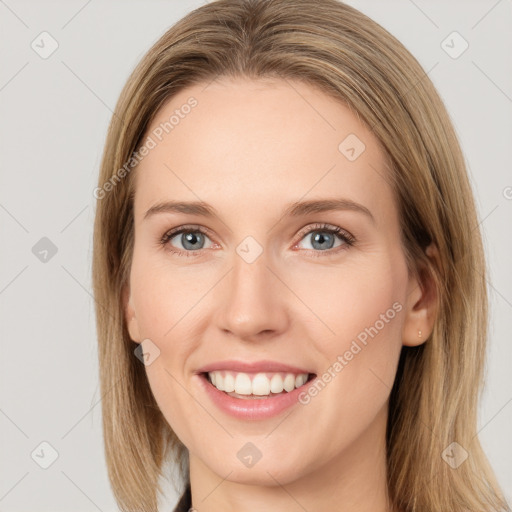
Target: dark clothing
(185, 503)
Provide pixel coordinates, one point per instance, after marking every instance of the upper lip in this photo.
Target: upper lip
(252, 367)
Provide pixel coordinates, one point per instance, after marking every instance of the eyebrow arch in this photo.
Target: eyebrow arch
(296, 209)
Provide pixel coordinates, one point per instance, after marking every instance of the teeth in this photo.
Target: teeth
(276, 384)
(229, 383)
(219, 381)
(243, 384)
(259, 384)
(289, 382)
(300, 380)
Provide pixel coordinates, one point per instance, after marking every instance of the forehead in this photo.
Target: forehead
(246, 145)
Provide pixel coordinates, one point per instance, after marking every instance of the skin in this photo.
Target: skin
(250, 148)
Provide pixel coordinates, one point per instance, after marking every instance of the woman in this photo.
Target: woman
(284, 376)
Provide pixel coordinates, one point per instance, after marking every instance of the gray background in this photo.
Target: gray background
(54, 116)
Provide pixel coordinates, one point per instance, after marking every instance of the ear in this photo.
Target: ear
(422, 302)
(129, 313)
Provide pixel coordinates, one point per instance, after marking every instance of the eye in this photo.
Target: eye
(325, 243)
(192, 238)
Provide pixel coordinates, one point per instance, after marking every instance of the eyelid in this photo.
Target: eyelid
(186, 227)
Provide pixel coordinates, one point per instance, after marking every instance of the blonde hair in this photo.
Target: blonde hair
(336, 48)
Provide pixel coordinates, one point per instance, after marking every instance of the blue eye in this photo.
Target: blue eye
(318, 238)
(192, 239)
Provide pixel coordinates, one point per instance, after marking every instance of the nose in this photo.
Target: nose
(252, 301)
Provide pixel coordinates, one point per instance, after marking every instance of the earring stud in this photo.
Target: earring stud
(419, 334)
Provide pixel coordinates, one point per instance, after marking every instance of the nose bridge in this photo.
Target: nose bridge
(249, 302)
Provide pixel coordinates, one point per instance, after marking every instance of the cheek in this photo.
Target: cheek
(344, 301)
(358, 340)
(364, 306)
(165, 296)
(166, 301)
(180, 410)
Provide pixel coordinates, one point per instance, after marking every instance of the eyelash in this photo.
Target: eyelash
(346, 237)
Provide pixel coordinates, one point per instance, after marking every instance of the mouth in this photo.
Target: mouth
(256, 385)
(256, 396)
(253, 390)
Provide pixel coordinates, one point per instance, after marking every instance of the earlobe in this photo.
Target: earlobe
(422, 303)
(129, 313)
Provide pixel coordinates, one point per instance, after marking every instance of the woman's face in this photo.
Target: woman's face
(263, 287)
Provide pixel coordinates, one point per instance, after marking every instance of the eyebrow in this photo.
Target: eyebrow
(296, 209)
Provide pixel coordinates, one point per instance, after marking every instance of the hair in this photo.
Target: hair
(345, 54)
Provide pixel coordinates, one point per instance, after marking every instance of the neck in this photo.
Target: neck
(353, 480)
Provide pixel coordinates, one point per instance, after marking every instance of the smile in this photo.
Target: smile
(254, 395)
(256, 385)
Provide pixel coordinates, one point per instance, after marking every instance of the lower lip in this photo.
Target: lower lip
(251, 408)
